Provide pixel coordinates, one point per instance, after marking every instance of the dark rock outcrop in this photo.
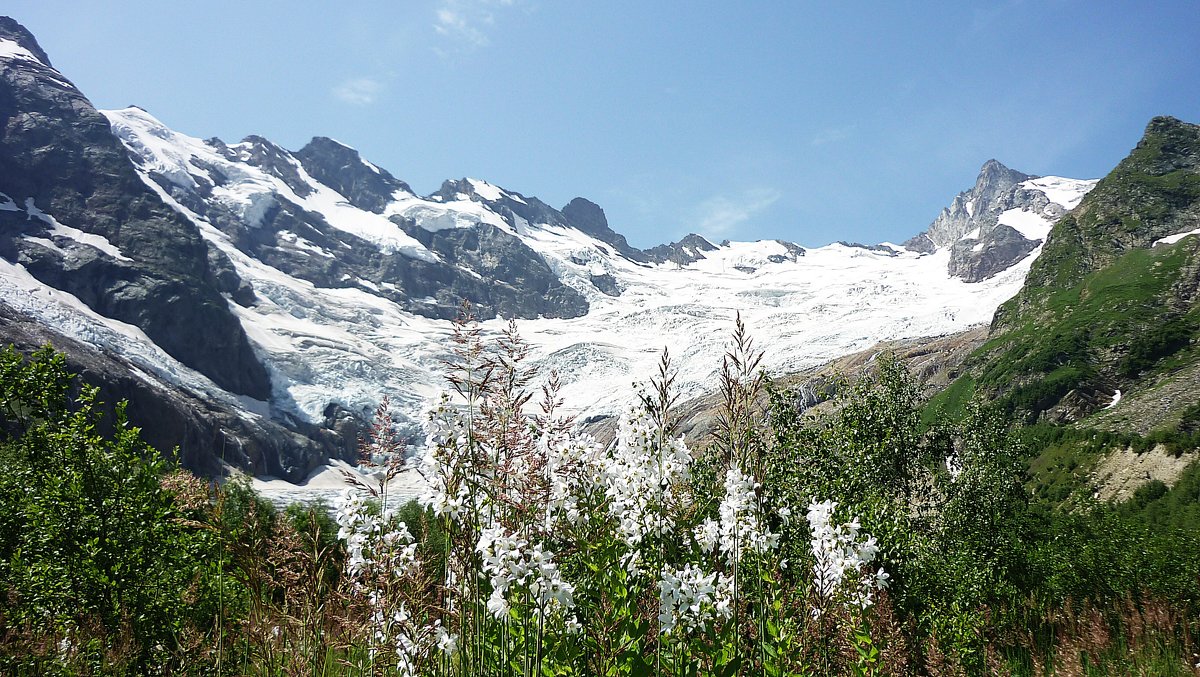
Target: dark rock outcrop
(687, 250)
(59, 158)
(588, 217)
(512, 281)
(794, 252)
(341, 168)
(976, 260)
(877, 248)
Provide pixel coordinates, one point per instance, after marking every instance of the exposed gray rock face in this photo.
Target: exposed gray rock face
(60, 164)
(920, 243)
(1002, 246)
(259, 152)
(794, 252)
(607, 284)
(880, 248)
(530, 209)
(691, 248)
(518, 282)
(588, 217)
(1077, 404)
(342, 168)
(975, 208)
(205, 432)
(687, 250)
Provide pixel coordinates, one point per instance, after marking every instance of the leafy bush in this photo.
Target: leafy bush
(92, 548)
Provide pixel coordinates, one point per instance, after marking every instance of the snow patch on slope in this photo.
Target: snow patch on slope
(10, 50)
(434, 216)
(98, 242)
(1030, 225)
(1172, 239)
(1064, 191)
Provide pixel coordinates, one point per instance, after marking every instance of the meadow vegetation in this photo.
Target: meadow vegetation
(861, 537)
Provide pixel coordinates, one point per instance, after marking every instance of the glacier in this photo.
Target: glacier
(353, 343)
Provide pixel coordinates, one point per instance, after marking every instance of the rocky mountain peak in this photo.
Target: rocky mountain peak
(1003, 218)
(342, 168)
(478, 190)
(977, 208)
(1167, 145)
(689, 249)
(456, 189)
(12, 31)
(1161, 124)
(993, 174)
(588, 217)
(258, 151)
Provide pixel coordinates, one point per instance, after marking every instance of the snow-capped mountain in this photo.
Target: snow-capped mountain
(293, 290)
(1004, 218)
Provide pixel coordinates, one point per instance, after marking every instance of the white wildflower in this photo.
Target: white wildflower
(690, 599)
(642, 477)
(373, 541)
(447, 642)
(841, 556)
(707, 534)
(741, 526)
(510, 561)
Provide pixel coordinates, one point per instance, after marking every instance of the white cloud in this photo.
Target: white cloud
(466, 23)
(358, 91)
(720, 215)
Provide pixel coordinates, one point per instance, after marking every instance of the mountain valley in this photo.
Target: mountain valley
(331, 284)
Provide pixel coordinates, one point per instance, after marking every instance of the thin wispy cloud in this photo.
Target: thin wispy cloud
(721, 215)
(466, 24)
(358, 91)
(832, 135)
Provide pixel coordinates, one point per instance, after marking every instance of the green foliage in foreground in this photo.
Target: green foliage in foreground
(997, 552)
(94, 553)
(110, 563)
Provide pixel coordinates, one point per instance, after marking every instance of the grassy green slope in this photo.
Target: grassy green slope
(1103, 308)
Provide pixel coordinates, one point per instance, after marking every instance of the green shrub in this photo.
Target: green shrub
(93, 550)
(1155, 343)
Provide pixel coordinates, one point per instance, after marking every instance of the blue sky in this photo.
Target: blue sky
(740, 120)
